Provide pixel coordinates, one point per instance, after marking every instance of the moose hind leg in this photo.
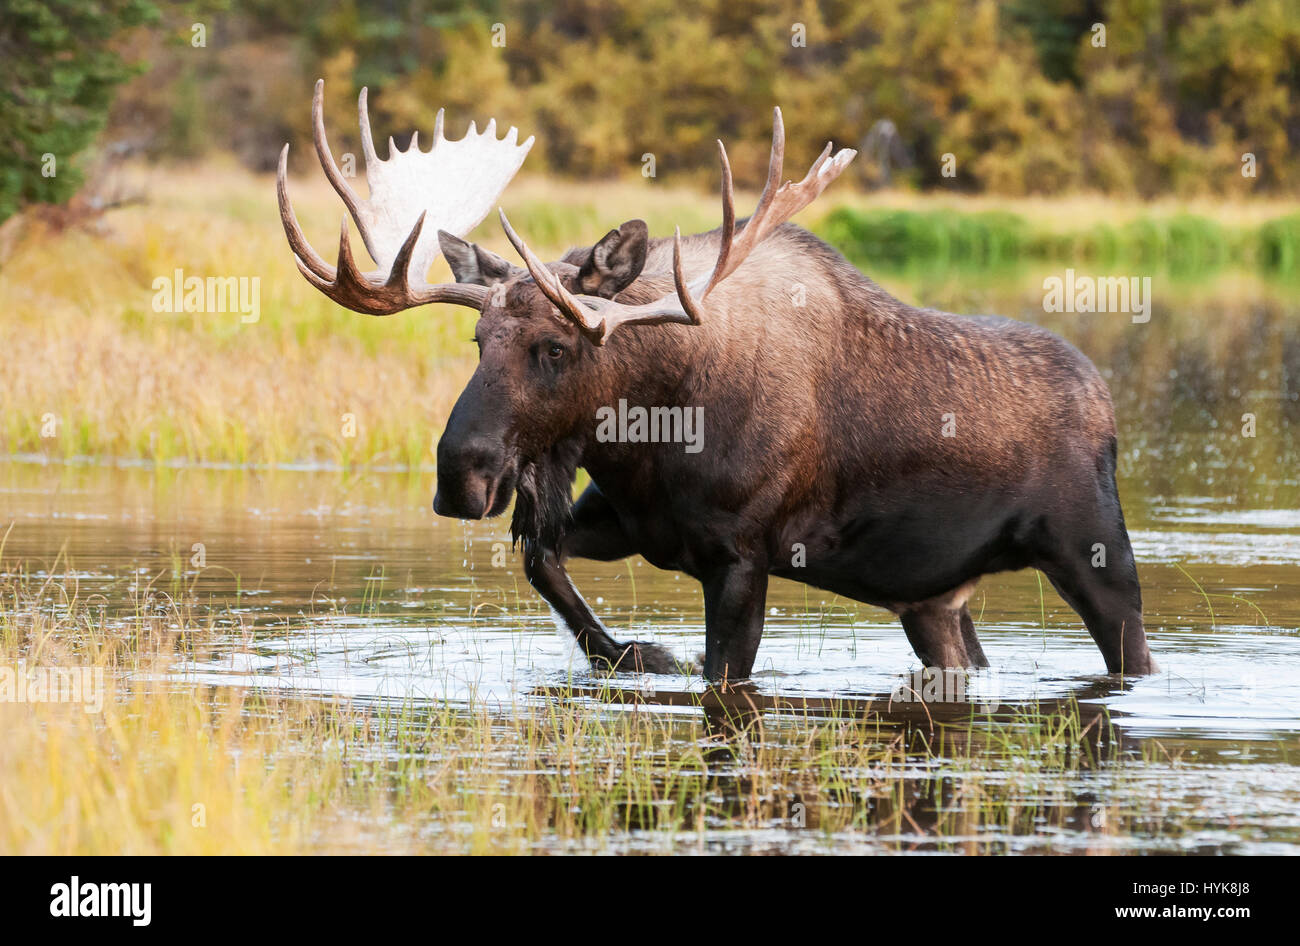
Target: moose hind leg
(973, 649)
(1111, 607)
(1093, 569)
(943, 636)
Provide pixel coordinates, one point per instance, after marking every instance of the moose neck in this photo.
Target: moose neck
(650, 368)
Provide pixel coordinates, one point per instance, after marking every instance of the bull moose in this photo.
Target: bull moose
(882, 452)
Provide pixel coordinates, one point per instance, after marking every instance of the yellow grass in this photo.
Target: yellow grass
(1074, 212)
(91, 369)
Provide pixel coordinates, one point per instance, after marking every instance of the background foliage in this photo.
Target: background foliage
(1018, 92)
(57, 77)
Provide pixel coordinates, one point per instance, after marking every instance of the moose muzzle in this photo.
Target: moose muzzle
(474, 479)
(476, 470)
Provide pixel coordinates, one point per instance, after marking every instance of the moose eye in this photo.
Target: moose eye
(554, 350)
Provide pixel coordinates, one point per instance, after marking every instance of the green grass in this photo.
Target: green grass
(1178, 243)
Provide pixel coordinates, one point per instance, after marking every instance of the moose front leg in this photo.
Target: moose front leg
(733, 621)
(547, 574)
(596, 534)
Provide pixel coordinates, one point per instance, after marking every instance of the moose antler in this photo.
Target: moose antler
(598, 316)
(454, 184)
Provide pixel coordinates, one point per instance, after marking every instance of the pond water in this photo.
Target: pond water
(353, 587)
(344, 584)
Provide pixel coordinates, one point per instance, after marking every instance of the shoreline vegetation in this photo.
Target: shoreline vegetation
(171, 762)
(1178, 242)
(96, 373)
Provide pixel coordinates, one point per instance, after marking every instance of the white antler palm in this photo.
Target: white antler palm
(413, 195)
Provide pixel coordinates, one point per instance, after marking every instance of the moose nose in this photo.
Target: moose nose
(482, 457)
(467, 479)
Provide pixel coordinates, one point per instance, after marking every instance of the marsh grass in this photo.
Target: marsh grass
(1179, 244)
(182, 761)
(93, 371)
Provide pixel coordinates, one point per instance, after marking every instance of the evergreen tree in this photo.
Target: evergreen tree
(58, 71)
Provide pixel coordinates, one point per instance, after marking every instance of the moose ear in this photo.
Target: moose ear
(470, 263)
(615, 262)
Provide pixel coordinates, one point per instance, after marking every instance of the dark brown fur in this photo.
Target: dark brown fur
(824, 431)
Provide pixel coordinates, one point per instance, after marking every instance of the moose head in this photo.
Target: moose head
(544, 364)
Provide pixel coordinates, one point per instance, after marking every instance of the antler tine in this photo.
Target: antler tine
(347, 275)
(346, 284)
(679, 281)
(400, 187)
(341, 186)
(400, 274)
(777, 204)
(363, 119)
(775, 167)
(728, 219)
(598, 316)
(551, 287)
(374, 294)
(308, 259)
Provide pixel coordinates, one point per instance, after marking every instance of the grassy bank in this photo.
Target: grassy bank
(1178, 243)
(94, 370)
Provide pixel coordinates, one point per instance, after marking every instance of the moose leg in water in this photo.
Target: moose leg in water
(594, 533)
(1089, 561)
(943, 636)
(1111, 608)
(734, 599)
(969, 638)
